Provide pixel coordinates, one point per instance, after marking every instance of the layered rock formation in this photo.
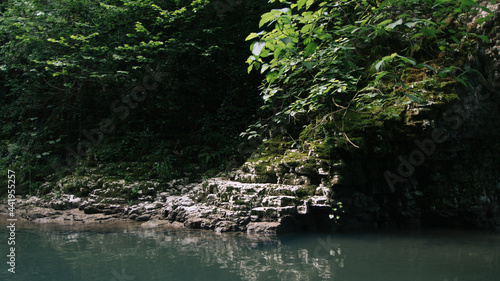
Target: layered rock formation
(215, 204)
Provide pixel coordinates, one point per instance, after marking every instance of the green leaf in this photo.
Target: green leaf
(384, 60)
(486, 9)
(439, 2)
(412, 24)
(257, 47)
(407, 60)
(416, 35)
(484, 38)
(264, 68)
(277, 53)
(283, 10)
(415, 98)
(386, 22)
(443, 72)
(309, 65)
(380, 75)
(310, 49)
(306, 28)
(430, 32)
(309, 3)
(300, 3)
(379, 64)
(462, 81)
(271, 76)
(394, 24)
(267, 17)
(422, 65)
(251, 36)
(480, 21)
(465, 4)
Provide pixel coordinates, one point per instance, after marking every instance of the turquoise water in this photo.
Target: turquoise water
(126, 252)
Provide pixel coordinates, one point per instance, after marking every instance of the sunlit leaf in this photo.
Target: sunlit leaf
(311, 48)
(251, 36)
(271, 76)
(257, 48)
(394, 24)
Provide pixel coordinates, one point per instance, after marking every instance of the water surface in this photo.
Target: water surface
(128, 252)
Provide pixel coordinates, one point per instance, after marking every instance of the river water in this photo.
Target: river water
(128, 252)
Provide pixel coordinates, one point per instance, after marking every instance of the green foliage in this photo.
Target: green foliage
(337, 211)
(326, 58)
(134, 192)
(67, 65)
(165, 169)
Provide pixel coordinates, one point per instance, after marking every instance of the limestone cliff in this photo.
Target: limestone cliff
(438, 164)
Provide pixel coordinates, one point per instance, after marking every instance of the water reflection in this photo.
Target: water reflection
(148, 254)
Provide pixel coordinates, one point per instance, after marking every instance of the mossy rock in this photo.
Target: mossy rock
(211, 173)
(319, 149)
(117, 193)
(293, 158)
(79, 185)
(240, 202)
(275, 146)
(306, 191)
(411, 75)
(262, 168)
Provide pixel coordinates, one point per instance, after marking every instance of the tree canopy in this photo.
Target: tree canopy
(69, 68)
(165, 83)
(345, 56)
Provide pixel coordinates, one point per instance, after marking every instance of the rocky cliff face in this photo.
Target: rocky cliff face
(438, 166)
(216, 204)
